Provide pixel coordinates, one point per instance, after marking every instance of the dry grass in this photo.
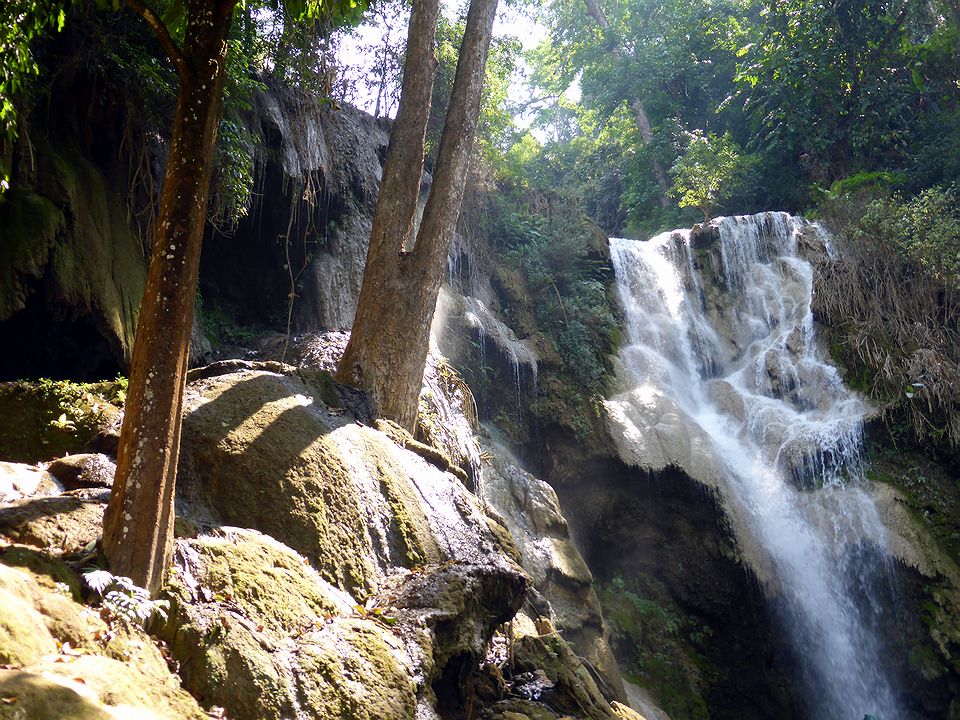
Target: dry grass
(895, 327)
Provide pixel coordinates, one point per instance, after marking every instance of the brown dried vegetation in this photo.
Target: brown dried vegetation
(897, 332)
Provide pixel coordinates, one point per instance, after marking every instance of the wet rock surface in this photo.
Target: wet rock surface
(531, 511)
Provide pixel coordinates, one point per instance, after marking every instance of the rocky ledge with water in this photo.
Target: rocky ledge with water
(322, 569)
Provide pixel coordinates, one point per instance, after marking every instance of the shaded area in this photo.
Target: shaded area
(697, 630)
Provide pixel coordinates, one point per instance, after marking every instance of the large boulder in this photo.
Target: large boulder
(261, 450)
(259, 632)
(383, 577)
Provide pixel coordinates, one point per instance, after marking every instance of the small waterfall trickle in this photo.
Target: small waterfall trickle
(722, 376)
(517, 352)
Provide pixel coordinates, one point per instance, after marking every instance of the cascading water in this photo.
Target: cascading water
(723, 378)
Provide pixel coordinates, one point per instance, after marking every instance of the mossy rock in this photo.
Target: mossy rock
(573, 689)
(351, 670)
(69, 663)
(520, 709)
(229, 663)
(47, 571)
(52, 418)
(257, 450)
(260, 451)
(59, 525)
(257, 631)
(24, 638)
(31, 224)
(29, 695)
(265, 581)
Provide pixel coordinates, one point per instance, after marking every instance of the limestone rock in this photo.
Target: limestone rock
(547, 671)
(651, 432)
(61, 524)
(83, 471)
(72, 231)
(18, 481)
(260, 633)
(531, 511)
(261, 451)
(58, 669)
(462, 604)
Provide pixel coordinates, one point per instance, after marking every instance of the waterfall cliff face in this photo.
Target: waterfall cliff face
(722, 377)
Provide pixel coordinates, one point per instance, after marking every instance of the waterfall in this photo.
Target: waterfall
(722, 376)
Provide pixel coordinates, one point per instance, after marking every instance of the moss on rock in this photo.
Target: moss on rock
(33, 696)
(52, 418)
(264, 581)
(258, 451)
(352, 671)
(68, 662)
(23, 636)
(260, 633)
(31, 224)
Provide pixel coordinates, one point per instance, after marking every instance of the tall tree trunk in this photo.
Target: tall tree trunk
(138, 523)
(640, 116)
(389, 341)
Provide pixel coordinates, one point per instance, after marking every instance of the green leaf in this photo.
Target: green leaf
(917, 78)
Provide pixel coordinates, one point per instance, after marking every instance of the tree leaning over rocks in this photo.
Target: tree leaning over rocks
(138, 523)
(389, 340)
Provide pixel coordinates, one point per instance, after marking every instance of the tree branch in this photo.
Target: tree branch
(894, 30)
(162, 33)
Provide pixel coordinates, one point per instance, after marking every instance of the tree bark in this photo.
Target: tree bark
(138, 523)
(389, 341)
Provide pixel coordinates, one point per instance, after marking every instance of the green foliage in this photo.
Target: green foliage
(924, 228)
(572, 307)
(222, 329)
(495, 122)
(123, 599)
(659, 57)
(22, 23)
(709, 170)
(889, 300)
(82, 403)
(831, 86)
(554, 290)
(875, 181)
(815, 91)
(661, 647)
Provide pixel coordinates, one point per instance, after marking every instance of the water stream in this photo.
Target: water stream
(723, 377)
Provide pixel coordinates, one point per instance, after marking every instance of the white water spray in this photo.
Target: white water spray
(722, 377)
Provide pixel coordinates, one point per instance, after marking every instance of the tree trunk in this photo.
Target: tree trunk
(640, 116)
(389, 341)
(138, 523)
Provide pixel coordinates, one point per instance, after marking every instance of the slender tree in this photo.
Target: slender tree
(390, 336)
(138, 523)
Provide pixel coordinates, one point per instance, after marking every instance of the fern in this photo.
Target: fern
(122, 598)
